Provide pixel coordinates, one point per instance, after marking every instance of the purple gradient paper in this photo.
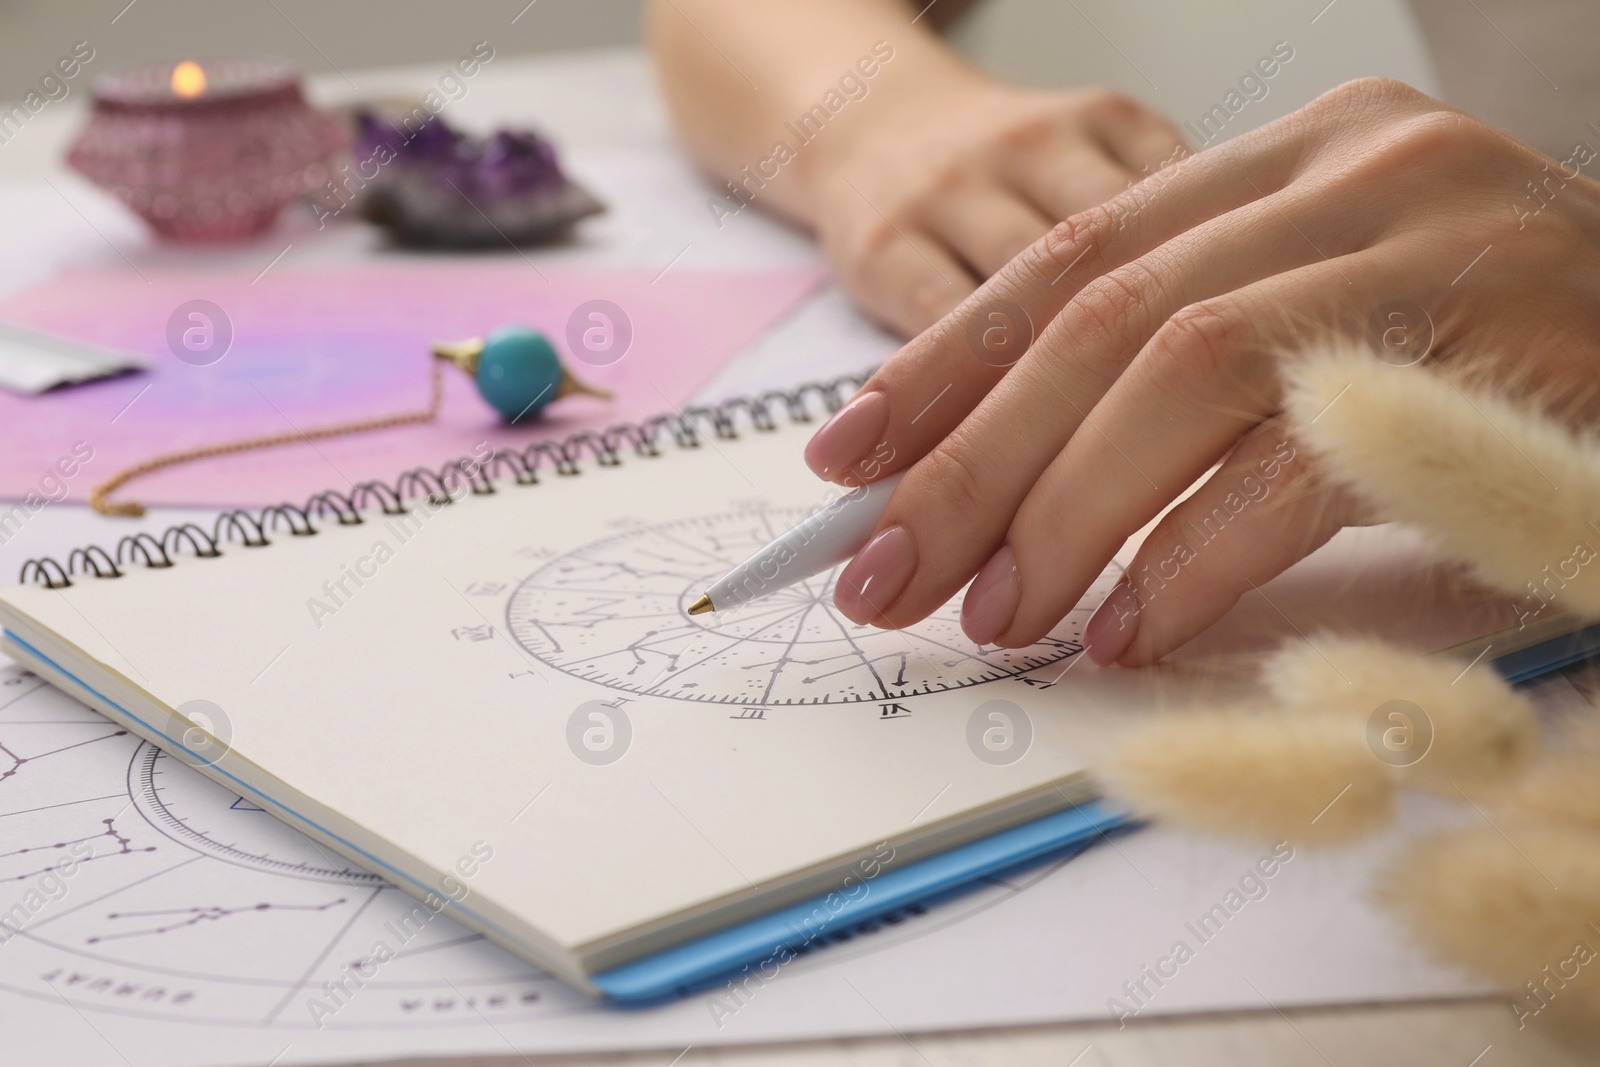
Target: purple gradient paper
(316, 347)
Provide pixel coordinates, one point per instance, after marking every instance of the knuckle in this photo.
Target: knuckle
(1365, 94)
(1075, 243)
(1192, 349)
(1430, 143)
(1107, 313)
(940, 180)
(1436, 139)
(1028, 134)
(958, 478)
(1375, 87)
(1351, 111)
(864, 249)
(1110, 104)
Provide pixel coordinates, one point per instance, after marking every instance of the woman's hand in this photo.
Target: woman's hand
(930, 191)
(1155, 321)
(921, 175)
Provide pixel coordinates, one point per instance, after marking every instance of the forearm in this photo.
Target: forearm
(738, 76)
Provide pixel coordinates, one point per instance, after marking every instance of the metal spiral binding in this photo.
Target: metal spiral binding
(466, 475)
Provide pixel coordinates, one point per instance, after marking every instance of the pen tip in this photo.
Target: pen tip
(701, 606)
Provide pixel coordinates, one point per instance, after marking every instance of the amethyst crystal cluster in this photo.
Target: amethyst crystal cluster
(437, 187)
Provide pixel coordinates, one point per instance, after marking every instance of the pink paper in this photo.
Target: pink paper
(316, 347)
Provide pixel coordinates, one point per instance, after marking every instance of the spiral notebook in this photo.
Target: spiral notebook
(482, 683)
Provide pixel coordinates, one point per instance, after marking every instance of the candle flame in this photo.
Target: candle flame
(188, 80)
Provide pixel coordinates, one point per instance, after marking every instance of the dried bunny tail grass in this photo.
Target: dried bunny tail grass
(1257, 775)
(1562, 785)
(1470, 728)
(1520, 907)
(1498, 482)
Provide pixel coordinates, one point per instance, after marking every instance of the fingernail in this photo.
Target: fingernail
(845, 438)
(1113, 625)
(876, 576)
(992, 598)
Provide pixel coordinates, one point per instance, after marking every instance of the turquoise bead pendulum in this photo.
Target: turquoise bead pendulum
(516, 370)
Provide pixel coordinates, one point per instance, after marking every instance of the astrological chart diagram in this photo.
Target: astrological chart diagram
(615, 612)
(132, 884)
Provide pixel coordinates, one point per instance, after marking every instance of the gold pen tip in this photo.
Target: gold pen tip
(701, 606)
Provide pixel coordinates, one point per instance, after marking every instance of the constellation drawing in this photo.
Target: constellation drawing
(182, 917)
(614, 612)
(124, 848)
(190, 905)
(14, 763)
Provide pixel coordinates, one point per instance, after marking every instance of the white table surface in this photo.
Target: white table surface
(603, 102)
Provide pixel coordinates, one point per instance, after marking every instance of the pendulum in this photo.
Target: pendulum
(516, 371)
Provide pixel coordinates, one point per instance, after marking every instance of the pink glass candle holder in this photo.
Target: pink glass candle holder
(206, 153)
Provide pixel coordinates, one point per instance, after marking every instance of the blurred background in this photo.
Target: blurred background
(1172, 55)
(315, 35)
(1480, 49)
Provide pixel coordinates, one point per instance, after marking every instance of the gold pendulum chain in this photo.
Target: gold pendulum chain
(99, 494)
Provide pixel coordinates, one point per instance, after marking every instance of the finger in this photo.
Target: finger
(905, 280)
(1263, 510)
(934, 382)
(956, 503)
(1143, 142)
(1066, 177)
(1205, 379)
(985, 225)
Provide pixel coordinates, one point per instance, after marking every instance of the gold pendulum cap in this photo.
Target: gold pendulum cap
(703, 605)
(464, 354)
(570, 386)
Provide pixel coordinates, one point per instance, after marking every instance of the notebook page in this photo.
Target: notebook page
(436, 680)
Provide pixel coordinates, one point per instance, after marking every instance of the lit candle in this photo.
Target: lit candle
(188, 80)
(208, 153)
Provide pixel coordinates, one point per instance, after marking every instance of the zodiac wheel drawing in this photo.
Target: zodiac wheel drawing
(615, 612)
(135, 886)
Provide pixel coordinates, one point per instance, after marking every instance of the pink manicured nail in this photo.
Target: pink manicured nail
(1113, 625)
(849, 435)
(876, 576)
(992, 598)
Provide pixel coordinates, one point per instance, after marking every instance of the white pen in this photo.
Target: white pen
(828, 536)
